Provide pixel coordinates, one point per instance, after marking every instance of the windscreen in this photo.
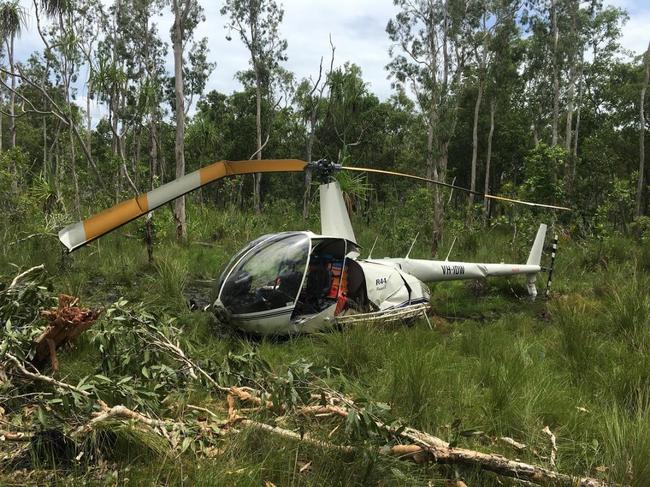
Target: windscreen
(268, 277)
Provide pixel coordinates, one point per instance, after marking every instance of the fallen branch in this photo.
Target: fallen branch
(285, 433)
(15, 436)
(120, 412)
(440, 451)
(37, 376)
(510, 442)
(24, 274)
(548, 431)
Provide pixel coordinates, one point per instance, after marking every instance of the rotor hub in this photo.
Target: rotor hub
(323, 170)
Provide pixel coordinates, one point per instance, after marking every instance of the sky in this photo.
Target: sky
(357, 29)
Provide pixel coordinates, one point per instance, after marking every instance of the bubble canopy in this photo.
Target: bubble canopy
(266, 275)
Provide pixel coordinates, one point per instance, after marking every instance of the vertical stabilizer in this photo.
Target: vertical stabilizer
(334, 218)
(535, 256)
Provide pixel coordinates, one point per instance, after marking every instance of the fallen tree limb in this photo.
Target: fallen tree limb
(37, 376)
(285, 433)
(120, 412)
(429, 447)
(15, 436)
(20, 276)
(551, 436)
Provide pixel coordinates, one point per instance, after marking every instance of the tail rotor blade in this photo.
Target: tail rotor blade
(453, 186)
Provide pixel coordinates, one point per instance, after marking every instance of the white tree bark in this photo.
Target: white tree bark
(556, 73)
(641, 182)
(179, 147)
(488, 161)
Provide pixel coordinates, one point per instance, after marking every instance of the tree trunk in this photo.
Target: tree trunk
(12, 116)
(257, 178)
(153, 162)
(556, 73)
(439, 174)
(68, 71)
(488, 161)
(641, 183)
(576, 134)
(12, 94)
(179, 148)
(75, 179)
(472, 181)
(89, 121)
(46, 169)
(569, 110)
(307, 194)
(430, 146)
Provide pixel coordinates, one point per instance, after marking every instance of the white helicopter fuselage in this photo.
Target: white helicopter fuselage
(302, 282)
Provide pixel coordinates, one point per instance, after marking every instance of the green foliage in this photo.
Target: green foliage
(543, 179)
(617, 210)
(20, 321)
(640, 228)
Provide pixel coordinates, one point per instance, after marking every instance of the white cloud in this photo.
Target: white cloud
(357, 28)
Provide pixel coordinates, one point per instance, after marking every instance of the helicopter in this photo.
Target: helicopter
(302, 282)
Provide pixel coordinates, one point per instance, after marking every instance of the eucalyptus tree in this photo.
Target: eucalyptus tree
(642, 122)
(310, 101)
(257, 22)
(12, 21)
(187, 16)
(428, 54)
(502, 76)
(480, 48)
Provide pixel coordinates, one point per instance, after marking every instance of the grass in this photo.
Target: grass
(495, 364)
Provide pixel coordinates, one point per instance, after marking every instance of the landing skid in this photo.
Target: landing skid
(386, 316)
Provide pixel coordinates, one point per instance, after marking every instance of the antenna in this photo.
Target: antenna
(411, 248)
(373, 247)
(451, 248)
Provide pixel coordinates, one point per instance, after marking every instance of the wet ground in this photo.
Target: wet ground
(200, 293)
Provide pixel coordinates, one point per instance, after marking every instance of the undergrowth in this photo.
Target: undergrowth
(494, 365)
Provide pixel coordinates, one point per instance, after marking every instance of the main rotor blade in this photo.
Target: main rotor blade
(453, 186)
(80, 233)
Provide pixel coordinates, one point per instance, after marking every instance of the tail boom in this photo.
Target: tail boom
(442, 270)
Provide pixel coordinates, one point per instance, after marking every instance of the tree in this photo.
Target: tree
(12, 20)
(310, 100)
(502, 77)
(644, 86)
(257, 22)
(428, 55)
(187, 15)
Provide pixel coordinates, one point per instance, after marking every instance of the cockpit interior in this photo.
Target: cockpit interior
(296, 274)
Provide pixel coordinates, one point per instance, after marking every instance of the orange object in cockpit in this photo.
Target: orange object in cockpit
(339, 276)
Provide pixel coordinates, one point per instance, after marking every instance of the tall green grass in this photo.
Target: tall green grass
(495, 364)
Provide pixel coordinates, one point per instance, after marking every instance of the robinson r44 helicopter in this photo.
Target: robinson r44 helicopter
(300, 282)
